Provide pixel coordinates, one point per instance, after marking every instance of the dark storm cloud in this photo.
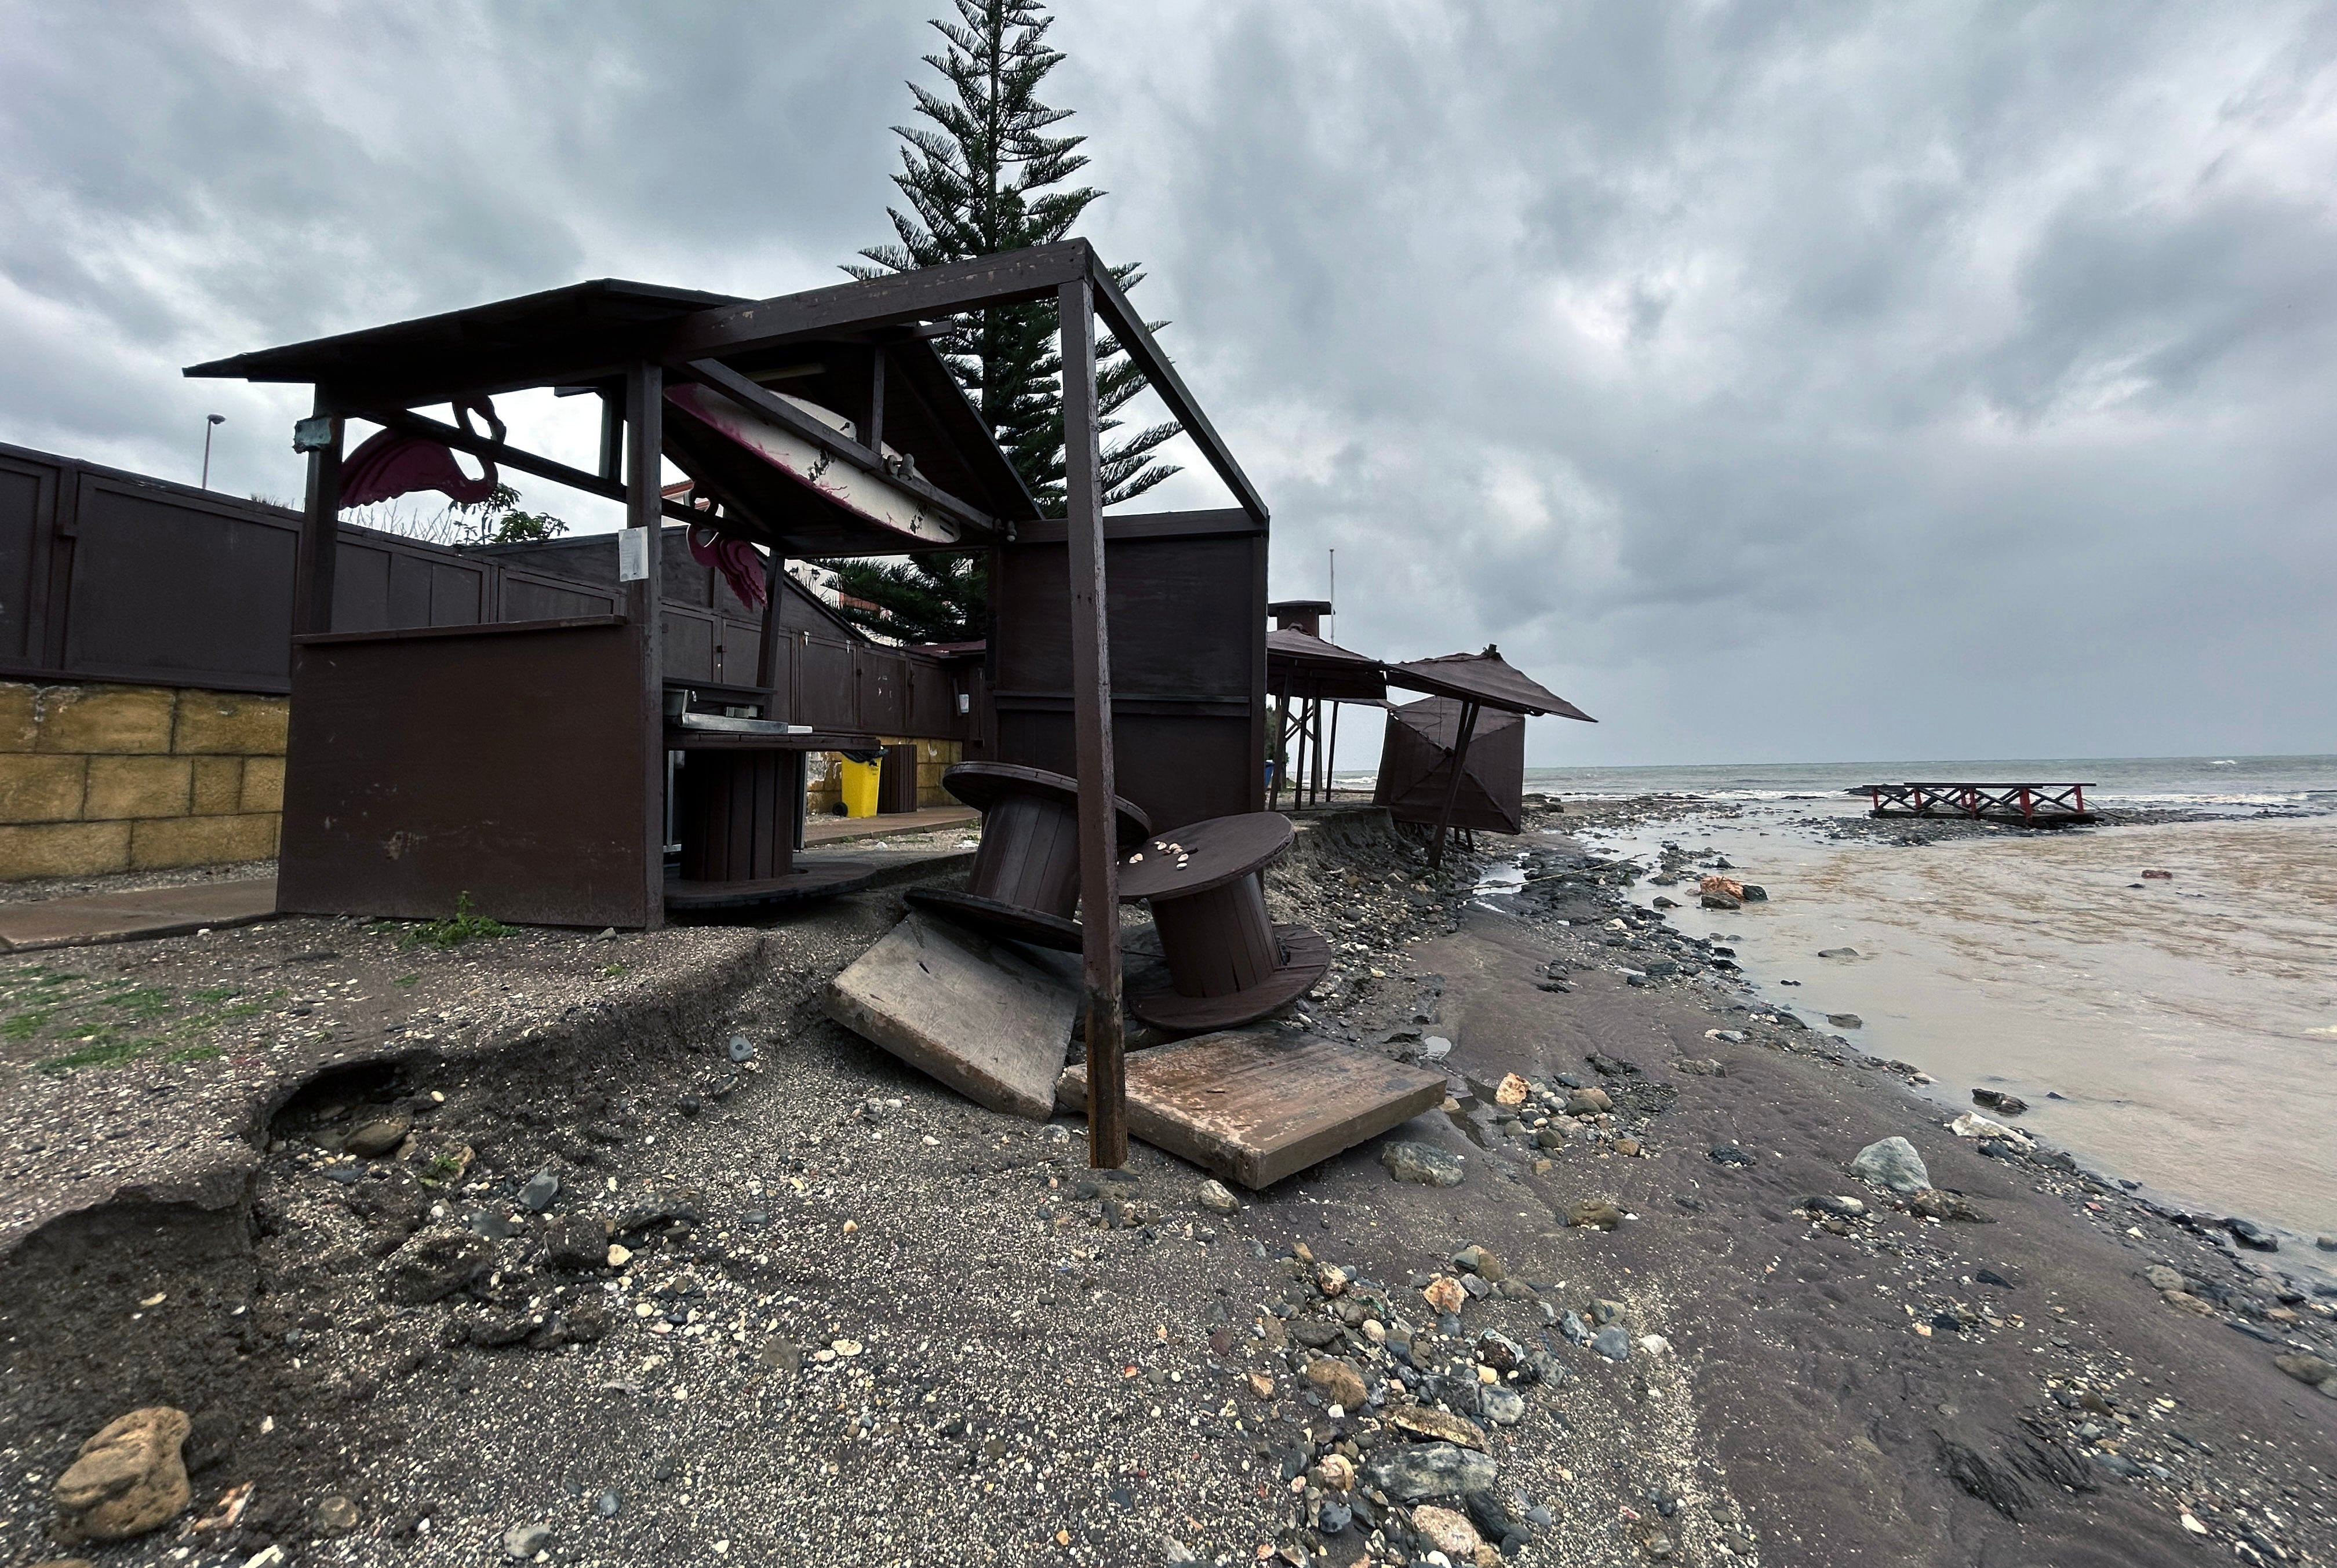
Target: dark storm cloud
(1778, 381)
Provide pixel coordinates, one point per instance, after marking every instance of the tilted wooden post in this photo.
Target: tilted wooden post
(1091, 714)
(1452, 789)
(645, 606)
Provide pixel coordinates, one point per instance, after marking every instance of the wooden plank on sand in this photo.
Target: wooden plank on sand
(991, 1019)
(1253, 1107)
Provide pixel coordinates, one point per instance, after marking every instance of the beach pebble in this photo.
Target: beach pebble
(126, 1480)
(1845, 1021)
(1215, 1197)
(1599, 1213)
(1838, 953)
(1424, 1163)
(1892, 1163)
(522, 1542)
(1612, 1342)
(1430, 1470)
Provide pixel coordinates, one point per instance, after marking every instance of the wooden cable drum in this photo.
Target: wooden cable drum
(1026, 882)
(1228, 963)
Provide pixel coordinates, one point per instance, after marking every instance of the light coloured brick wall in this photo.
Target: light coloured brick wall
(115, 778)
(824, 786)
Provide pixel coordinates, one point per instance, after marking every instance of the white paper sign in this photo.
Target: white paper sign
(633, 555)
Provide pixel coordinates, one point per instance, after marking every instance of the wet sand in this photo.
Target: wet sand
(2182, 1033)
(1031, 1382)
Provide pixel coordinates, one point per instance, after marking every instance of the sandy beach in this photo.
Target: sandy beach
(859, 1320)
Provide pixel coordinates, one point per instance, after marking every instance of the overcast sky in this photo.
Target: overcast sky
(1779, 382)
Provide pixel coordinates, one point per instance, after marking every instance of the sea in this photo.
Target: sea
(2178, 1031)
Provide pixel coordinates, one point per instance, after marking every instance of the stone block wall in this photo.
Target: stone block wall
(824, 786)
(114, 778)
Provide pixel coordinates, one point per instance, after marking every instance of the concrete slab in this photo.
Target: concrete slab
(127, 916)
(1253, 1106)
(992, 1020)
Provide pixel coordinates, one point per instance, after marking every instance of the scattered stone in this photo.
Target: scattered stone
(1337, 1472)
(335, 1516)
(609, 1503)
(1589, 1102)
(1838, 953)
(1999, 1102)
(378, 1136)
(2326, 1243)
(1215, 1197)
(1420, 1470)
(1340, 1383)
(1423, 1162)
(1445, 1293)
(1729, 1154)
(1840, 1207)
(2162, 1278)
(1600, 1214)
(1330, 1279)
(1447, 1531)
(576, 1243)
(1612, 1342)
(1501, 1404)
(1892, 1163)
(1436, 1048)
(1845, 1020)
(1475, 1259)
(126, 1480)
(522, 1542)
(1426, 1421)
(780, 1355)
(2317, 1370)
(540, 1188)
(1719, 902)
(1512, 1090)
(1934, 1204)
(1628, 1147)
(2250, 1234)
(740, 1048)
(1262, 1384)
(435, 1263)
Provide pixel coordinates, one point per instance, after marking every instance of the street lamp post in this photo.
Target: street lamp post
(209, 425)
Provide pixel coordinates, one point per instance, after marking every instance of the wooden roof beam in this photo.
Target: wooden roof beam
(780, 411)
(1128, 328)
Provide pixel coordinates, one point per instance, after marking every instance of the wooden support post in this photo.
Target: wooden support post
(1091, 714)
(872, 429)
(645, 607)
(613, 438)
(766, 658)
(320, 533)
(1335, 752)
(1280, 755)
(1452, 789)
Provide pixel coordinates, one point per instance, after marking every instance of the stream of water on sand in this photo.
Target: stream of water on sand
(2179, 1032)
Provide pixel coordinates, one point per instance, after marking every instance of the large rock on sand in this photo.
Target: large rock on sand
(1430, 1470)
(1423, 1162)
(1892, 1163)
(128, 1479)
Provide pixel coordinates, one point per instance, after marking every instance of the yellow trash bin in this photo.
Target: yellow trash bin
(858, 780)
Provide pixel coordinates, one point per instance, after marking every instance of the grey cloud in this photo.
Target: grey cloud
(1830, 379)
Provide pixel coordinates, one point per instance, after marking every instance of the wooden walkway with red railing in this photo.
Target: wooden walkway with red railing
(2035, 806)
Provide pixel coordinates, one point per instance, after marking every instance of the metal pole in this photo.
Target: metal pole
(1092, 717)
(1452, 789)
(211, 424)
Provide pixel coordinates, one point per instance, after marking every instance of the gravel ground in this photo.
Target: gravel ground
(850, 1318)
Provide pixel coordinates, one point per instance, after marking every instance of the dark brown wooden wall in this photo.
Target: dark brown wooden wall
(1186, 602)
(399, 807)
(108, 576)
